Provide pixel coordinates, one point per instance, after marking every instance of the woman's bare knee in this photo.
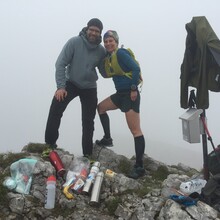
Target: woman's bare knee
(105, 106)
(136, 133)
(101, 109)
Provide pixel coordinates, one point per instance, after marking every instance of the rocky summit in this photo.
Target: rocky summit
(122, 198)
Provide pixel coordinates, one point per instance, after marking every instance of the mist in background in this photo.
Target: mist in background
(32, 36)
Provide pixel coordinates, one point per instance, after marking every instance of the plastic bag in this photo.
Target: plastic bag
(21, 175)
(194, 185)
(77, 165)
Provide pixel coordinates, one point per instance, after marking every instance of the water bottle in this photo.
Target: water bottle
(91, 177)
(194, 185)
(51, 192)
(57, 163)
(96, 189)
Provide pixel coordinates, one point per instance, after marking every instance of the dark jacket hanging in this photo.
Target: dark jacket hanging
(201, 63)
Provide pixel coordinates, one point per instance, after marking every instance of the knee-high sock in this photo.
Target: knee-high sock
(139, 149)
(105, 124)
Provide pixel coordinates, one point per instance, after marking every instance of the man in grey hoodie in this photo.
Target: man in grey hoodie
(76, 76)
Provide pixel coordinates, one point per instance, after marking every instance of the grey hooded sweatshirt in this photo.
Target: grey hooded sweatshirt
(77, 62)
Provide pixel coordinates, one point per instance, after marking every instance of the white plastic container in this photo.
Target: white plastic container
(194, 185)
(51, 192)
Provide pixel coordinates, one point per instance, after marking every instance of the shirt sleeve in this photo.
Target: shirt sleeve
(128, 64)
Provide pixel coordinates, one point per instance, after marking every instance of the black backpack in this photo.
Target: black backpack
(211, 192)
(214, 161)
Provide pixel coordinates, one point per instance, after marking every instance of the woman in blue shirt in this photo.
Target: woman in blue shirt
(125, 72)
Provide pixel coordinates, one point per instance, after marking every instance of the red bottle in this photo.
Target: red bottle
(57, 163)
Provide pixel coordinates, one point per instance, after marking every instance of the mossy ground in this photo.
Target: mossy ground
(113, 204)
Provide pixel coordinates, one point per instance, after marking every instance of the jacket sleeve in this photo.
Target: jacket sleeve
(62, 63)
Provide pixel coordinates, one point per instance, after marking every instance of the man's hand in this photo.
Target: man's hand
(60, 94)
(133, 95)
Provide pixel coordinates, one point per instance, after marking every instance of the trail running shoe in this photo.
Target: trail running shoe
(53, 146)
(105, 142)
(136, 172)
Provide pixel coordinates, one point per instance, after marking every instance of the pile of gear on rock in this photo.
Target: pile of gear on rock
(198, 189)
(82, 177)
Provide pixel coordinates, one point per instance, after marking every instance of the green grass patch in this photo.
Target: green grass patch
(148, 186)
(161, 173)
(35, 148)
(3, 190)
(9, 158)
(112, 204)
(124, 166)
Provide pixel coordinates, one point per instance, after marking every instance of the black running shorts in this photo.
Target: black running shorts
(122, 99)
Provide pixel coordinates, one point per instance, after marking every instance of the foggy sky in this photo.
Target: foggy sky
(32, 36)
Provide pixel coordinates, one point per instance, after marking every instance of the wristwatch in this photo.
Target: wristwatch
(133, 87)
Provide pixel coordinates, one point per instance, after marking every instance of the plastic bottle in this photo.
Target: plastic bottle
(194, 185)
(91, 177)
(51, 192)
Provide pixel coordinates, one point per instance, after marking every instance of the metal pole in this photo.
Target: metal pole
(205, 152)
